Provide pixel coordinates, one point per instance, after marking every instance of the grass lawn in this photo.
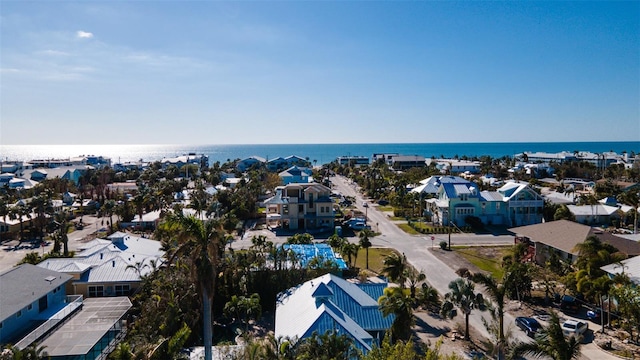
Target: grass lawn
(376, 258)
(385, 208)
(408, 229)
(485, 258)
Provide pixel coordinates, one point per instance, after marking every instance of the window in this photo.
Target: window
(1, 324)
(122, 290)
(96, 291)
(285, 209)
(19, 313)
(30, 307)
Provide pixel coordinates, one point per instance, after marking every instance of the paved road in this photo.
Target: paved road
(439, 275)
(9, 257)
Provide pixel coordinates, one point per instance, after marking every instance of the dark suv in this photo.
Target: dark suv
(569, 304)
(529, 325)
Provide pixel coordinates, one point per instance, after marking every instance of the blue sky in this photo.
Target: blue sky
(209, 72)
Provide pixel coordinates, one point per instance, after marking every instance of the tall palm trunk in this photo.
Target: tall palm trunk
(208, 331)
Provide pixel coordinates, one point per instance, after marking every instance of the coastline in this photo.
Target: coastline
(322, 153)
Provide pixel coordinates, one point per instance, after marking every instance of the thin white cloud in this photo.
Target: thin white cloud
(52, 53)
(83, 35)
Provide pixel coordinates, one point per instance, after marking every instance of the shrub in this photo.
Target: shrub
(443, 245)
(474, 222)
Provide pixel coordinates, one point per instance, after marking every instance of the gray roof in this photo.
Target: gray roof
(103, 261)
(24, 285)
(78, 335)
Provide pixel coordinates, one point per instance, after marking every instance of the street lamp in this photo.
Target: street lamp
(366, 211)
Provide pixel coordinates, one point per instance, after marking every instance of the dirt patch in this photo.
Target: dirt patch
(453, 260)
(431, 328)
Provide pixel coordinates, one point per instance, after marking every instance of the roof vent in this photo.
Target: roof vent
(113, 263)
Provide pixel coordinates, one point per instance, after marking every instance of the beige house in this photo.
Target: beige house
(562, 236)
(304, 206)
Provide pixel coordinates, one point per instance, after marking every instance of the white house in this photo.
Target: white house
(330, 303)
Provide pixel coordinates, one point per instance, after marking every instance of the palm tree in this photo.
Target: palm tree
(497, 293)
(365, 243)
(4, 212)
(397, 301)
(199, 242)
(463, 296)
(550, 342)
(428, 297)
(109, 207)
(327, 346)
(336, 242)
(414, 277)
(394, 267)
(350, 250)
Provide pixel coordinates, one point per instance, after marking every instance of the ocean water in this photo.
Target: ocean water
(321, 153)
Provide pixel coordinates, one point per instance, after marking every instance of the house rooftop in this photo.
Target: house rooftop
(25, 284)
(565, 235)
(84, 330)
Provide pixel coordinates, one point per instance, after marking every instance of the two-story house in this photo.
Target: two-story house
(280, 163)
(303, 206)
(513, 204)
(245, 164)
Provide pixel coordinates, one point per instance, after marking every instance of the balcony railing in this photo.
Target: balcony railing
(74, 302)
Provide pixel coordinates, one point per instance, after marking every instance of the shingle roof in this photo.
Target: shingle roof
(24, 284)
(565, 235)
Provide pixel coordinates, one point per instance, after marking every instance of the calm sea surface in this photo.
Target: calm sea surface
(322, 153)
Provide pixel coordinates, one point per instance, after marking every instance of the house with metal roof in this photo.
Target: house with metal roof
(246, 163)
(330, 303)
(29, 297)
(562, 236)
(280, 163)
(429, 186)
(512, 204)
(108, 267)
(629, 267)
(296, 174)
(596, 214)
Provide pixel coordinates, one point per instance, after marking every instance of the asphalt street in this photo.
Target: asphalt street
(439, 275)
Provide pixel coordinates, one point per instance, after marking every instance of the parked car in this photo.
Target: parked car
(360, 226)
(529, 325)
(383, 202)
(574, 328)
(569, 304)
(594, 315)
